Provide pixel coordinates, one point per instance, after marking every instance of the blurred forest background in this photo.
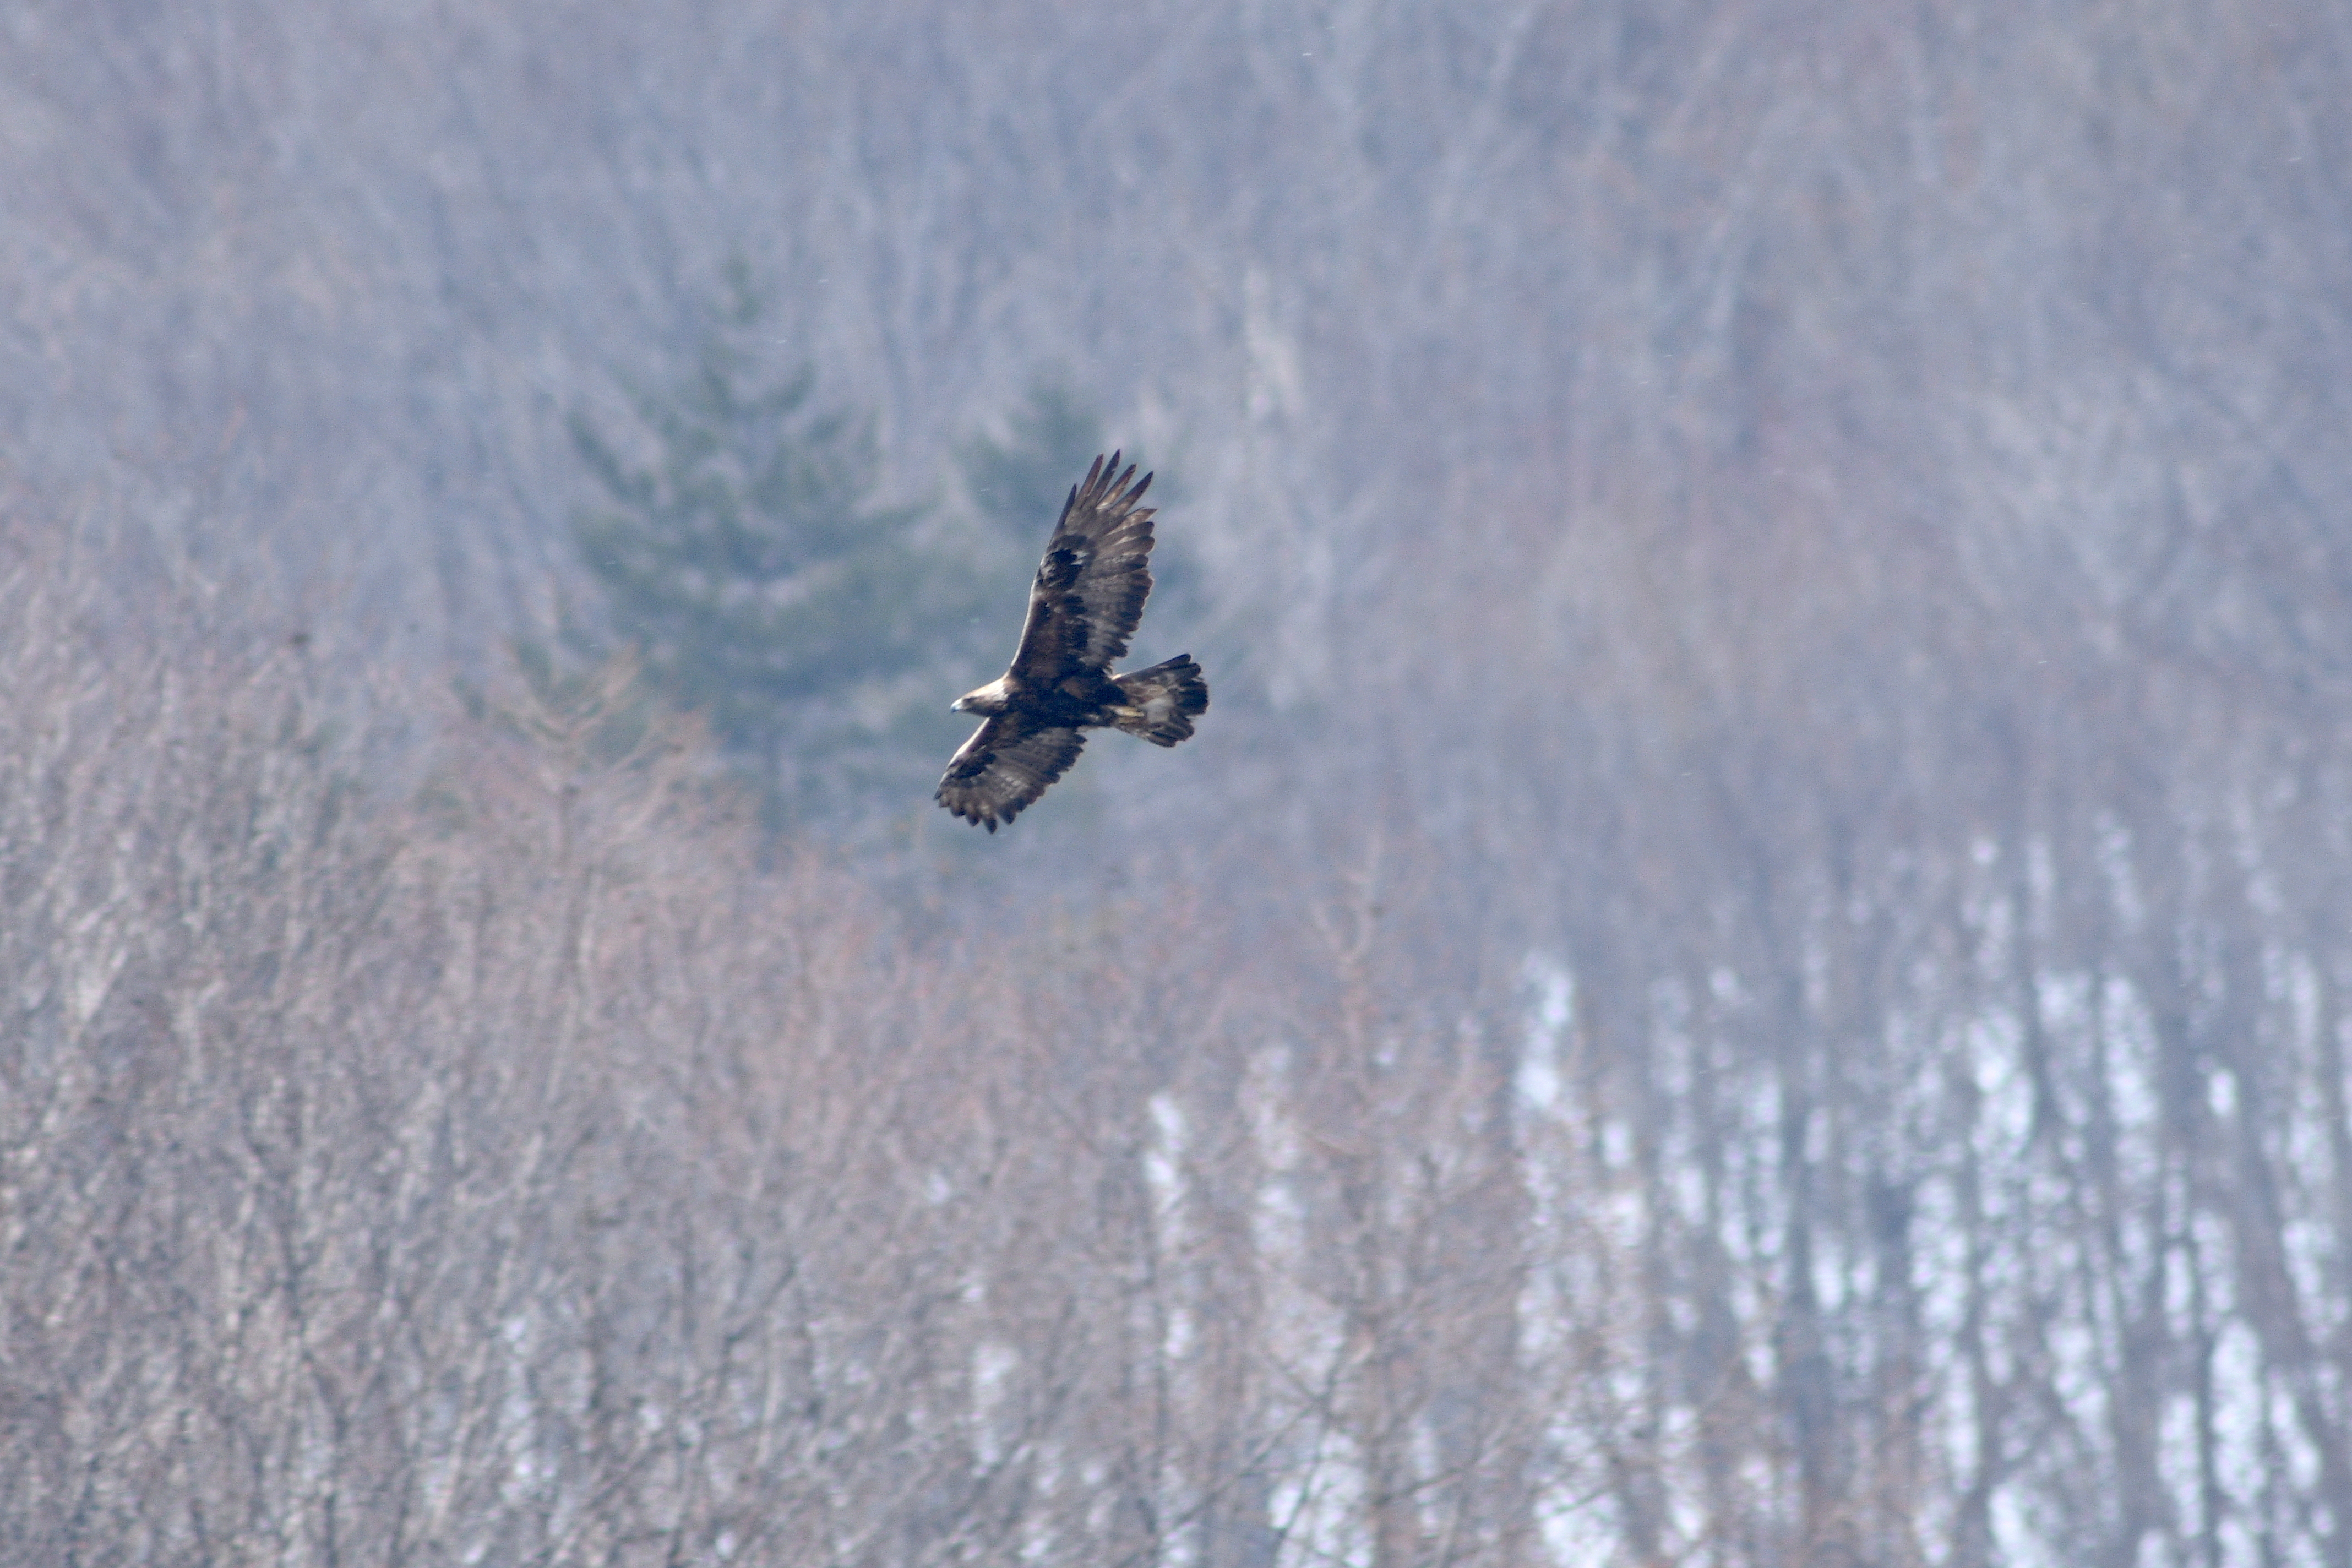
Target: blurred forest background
(1751, 967)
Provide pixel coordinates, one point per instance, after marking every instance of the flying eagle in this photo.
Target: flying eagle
(1083, 606)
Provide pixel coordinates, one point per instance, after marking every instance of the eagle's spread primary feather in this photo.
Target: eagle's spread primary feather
(1083, 608)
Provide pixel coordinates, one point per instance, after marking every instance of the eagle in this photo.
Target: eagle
(1083, 608)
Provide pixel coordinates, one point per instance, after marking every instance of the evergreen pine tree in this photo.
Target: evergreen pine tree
(1019, 484)
(750, 565)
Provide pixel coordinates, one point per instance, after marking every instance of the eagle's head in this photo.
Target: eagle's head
(988, 698)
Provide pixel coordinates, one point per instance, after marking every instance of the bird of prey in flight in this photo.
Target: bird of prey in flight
(1083, 608)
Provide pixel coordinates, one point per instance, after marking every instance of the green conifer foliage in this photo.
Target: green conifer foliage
(750, 565)
(1019, 484)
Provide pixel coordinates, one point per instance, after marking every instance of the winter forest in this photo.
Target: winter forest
(1753, 967)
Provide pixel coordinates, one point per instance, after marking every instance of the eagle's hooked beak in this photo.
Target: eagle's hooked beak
(961, 705)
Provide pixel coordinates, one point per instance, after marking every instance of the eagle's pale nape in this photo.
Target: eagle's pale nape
(1084, 604)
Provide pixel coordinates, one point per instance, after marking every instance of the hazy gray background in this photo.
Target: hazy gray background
(1750, 966)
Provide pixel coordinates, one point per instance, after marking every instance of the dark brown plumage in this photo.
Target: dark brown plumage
(1083, 608)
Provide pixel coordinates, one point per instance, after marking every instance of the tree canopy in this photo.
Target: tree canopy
(741, 548)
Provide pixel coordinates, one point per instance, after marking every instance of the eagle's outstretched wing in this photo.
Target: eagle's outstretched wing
(1007, 763)
(1096, 573)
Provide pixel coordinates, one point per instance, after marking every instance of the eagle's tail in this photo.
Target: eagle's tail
(1162, 702)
